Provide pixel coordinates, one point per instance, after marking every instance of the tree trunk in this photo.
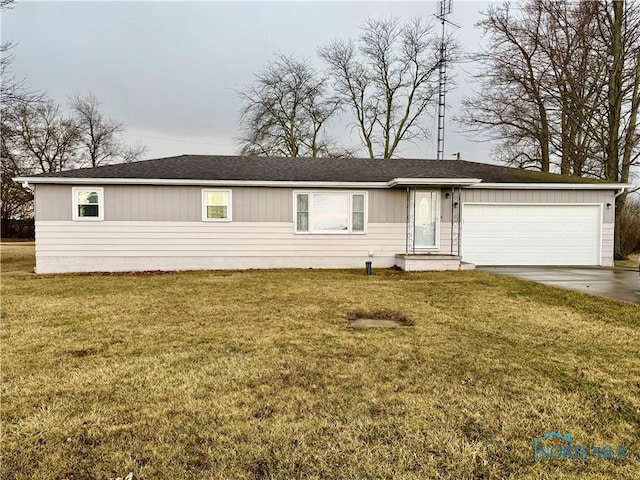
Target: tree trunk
(616, 50)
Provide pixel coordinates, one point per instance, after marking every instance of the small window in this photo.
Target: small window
(87, 204)
(216, 205)
(302, 212)
(330, 212)
(357, 213)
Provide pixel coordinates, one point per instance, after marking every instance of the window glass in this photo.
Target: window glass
(357, 221)
(217, 205)
(85, 197)
(330, 212)
(217, 198)
(302, 211)
(88, 203)
(216, 211)
(88, 211)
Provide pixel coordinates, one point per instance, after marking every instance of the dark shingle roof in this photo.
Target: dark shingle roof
(210, 167)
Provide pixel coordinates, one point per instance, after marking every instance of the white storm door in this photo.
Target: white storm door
(426, 218)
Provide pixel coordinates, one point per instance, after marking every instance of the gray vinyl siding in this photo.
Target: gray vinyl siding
(534, 196)
(148, 203)
(387, 206)
(53, 202)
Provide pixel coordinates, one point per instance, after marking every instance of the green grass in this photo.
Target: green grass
(257, 375)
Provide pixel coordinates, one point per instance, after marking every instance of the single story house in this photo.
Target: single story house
(227, 212)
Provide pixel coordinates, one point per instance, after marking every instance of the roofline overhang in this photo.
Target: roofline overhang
(249, 183)
(195, 182)
(555, 186)
(396, 182)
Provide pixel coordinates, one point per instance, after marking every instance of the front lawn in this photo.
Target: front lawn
(257, 375)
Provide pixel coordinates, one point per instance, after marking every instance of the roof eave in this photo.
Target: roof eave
(555, 186)
(195, 182)
(396, 182)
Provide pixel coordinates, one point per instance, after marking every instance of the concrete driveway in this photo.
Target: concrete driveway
(607, 282)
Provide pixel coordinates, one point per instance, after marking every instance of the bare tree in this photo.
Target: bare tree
(100, 138)
(40, 137)
(388, 79)
(34, 139)
(560, 86)
(510, 105)
(15, 200)
(285, 111)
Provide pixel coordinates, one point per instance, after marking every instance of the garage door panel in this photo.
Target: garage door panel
(494, 234)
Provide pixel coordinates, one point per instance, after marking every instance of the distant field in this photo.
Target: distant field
(257, 375)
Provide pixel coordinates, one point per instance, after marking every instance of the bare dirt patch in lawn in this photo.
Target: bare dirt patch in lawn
(378, 319)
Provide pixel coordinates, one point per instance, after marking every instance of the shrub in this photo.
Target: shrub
(628, 229)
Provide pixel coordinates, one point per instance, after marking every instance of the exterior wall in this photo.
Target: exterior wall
(550, 196)
(67, 246)
(160, 228)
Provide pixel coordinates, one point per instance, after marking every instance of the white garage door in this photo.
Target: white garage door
(531, 234)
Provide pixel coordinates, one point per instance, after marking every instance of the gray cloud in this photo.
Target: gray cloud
(170, 69)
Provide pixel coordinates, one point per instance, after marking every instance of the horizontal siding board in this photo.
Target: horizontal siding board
(260, 243)
(211, 245)
(231, 251)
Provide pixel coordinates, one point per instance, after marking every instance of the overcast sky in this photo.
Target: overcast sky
(170, 70)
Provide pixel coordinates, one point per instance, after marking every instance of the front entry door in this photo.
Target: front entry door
(425, 219)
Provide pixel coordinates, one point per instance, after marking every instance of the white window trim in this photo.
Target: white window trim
(205, 191)
(74, 204)
(349, 231)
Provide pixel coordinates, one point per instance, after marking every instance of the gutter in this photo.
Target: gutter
(194, 182)
(434, 181)
(621, 191)
(555, 186)
(462, 182)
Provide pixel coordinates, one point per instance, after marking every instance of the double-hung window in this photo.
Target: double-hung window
(88, 203)
(216, 205)
(330, 212)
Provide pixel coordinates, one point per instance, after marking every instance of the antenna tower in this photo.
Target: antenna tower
(444, 11)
